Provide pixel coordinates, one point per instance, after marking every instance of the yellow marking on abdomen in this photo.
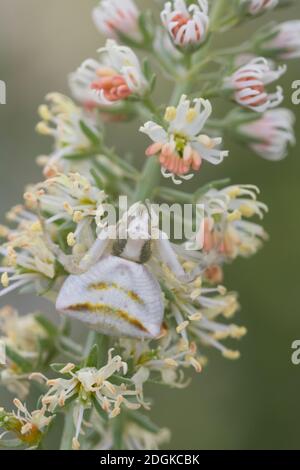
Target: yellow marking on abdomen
(104, 286)
(108, 310)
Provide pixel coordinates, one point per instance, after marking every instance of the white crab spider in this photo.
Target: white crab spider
(113, 291)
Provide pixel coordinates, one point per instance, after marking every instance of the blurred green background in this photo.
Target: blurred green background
(251, 403)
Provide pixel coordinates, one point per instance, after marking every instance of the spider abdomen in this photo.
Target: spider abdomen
(115, 297)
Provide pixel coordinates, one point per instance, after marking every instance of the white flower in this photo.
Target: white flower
(28, 428)
(181, 147)
(70, 199)
(63, 120)
(224, 234)
(31, 421)
(271, 134)
(249, 85)
(135, 436)
(116, 76)
(88, 382)
(212, 332)
(174, 354)
(256, 7)
(285, 41)
(16, 383)
(30, 253)
(195, 305)
(27, 259)
(187, 25)
(22, 333)
(114, 16)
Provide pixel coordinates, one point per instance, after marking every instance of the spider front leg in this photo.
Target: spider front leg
(97, 250)
(69, 262)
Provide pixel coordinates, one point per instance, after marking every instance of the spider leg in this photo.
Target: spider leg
(69, 262)
(169, 257)
(97, 250)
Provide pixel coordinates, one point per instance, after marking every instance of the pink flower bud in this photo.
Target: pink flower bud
(187, 25)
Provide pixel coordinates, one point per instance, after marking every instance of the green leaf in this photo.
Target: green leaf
(97, 178)
(98, 408)
(103, 169)
(69, 430)
(46, 351)
(82, 155)
(95, 139)
(92, 438)
(103, 346)
(126, 39)
(57, 366)
(168, 293)
(147, 69)
(96, 350)
(146, 26)
(22, 363)
(213, 185)
(152, 83)
(92, 359)
(48, 326)
(118, 380)
(143, 421)
(66, 326)
(149, 75)
(68, 345)
(117, 430)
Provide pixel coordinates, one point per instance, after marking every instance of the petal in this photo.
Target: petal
(155, 132)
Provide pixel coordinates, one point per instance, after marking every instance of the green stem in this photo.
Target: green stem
(150, 105)
(218, 13)
(126, 166)
(197, 68)
(167, 67)
(179, 90)
(216, 123)
(103, 345)
(211, 93)
(149, 110)
(149, 179)
(213, 185)
(173, 195)
(69, 430)
(118, 428)
(244, 47)
(90, 341)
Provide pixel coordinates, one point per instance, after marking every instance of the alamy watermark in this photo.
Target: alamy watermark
(295, 357)
(296, 93)
(155, 221)
(2, 92)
